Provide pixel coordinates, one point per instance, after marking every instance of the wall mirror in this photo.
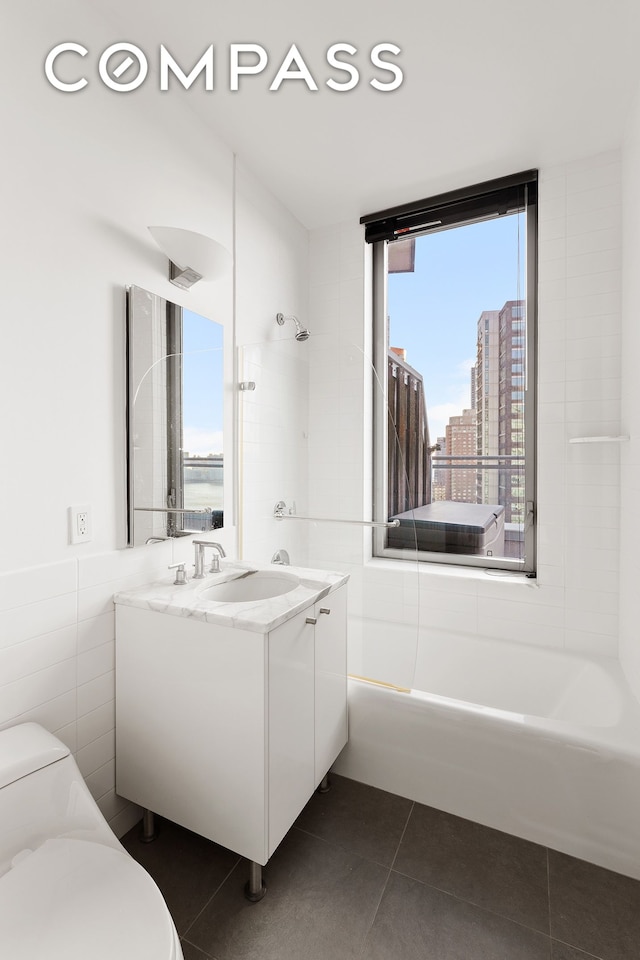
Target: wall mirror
(175, 389)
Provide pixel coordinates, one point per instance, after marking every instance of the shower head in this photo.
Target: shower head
(302, 333)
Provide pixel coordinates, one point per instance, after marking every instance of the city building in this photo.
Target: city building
(409, 453)
(461, 441)
(488, 404)
(440, 473)
(511, 365)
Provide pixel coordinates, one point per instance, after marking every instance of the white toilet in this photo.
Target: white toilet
(68, 888)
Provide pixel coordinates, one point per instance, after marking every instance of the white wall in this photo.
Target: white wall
(573, 605)
(83, 176)
(272, 259)
(630, 501)
(86, 175)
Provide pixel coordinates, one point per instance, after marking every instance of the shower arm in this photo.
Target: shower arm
(279, 514)
(301, 334)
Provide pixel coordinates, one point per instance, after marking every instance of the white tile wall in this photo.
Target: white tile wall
(273, 447)
(573, 603)
(57, 645)
(630, 453)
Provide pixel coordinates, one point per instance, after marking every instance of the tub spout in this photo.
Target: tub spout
(281, 556)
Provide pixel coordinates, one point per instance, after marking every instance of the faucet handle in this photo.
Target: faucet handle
(181, 573)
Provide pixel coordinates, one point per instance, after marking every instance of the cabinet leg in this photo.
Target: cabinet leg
(148, 832)
(325, 784)
(254, 889)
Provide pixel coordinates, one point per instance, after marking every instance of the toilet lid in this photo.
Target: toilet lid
(74, 899)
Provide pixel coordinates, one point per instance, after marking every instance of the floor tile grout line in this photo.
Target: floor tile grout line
(362, 942)
(589, 956)
(393, 862)
(548, 889)
(472, 903)
(344, 849)
(217, 890)
(375, 913)
(195, 947)
(546, 933)
(386, 883)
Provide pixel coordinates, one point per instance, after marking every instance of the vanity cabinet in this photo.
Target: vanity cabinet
(228, 731)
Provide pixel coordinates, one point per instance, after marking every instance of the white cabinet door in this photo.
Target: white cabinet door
(226, 731)
(330, 680)
(290, 723)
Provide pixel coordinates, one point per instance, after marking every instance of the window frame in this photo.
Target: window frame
(417, 219)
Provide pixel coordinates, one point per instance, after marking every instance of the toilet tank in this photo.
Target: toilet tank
(43, 795)
(25, 749)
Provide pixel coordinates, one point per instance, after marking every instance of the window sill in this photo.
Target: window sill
(450, 573)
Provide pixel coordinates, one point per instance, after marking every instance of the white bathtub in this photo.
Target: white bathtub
(543, 745)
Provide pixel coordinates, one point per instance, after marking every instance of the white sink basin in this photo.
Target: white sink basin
(256, 586)
(239, 596)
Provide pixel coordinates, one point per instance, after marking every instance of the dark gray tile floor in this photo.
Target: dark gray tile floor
(366, 875)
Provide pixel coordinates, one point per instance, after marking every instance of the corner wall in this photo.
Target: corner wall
(630, 486)
(85, 175)
(273, 265)
(573, 605)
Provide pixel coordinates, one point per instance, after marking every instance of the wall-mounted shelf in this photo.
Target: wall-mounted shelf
(619, 439)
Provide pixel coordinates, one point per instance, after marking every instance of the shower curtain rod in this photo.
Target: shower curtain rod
(279, 514)
(203, 510)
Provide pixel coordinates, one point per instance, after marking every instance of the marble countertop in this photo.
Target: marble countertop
(186, 600)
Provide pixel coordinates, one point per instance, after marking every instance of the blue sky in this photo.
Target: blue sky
(203, 378)
(434, 311)
(433, 314)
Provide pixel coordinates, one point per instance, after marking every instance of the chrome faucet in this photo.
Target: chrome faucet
(200, 547)
(281, 556)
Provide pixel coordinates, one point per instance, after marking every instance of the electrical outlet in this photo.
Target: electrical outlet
(80, 524)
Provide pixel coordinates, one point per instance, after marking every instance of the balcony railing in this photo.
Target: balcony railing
(445, 521)
(203, 488)
(480, 461)
(490, 478)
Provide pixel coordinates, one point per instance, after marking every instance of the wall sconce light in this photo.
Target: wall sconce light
(192, 256)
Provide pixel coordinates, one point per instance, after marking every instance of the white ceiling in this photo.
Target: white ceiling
(491, 87)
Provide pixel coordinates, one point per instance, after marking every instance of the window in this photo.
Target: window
(455, 471)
